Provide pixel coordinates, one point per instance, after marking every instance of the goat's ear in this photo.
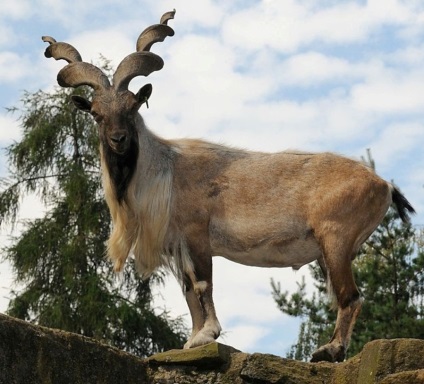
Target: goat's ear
(81, 103)
(143, 94)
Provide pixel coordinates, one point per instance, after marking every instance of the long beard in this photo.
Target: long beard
(121, 168)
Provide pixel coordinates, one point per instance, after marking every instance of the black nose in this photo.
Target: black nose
(118, 138)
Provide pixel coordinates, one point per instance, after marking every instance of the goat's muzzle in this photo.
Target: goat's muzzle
(119, 143)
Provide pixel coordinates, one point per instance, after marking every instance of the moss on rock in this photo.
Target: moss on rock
(210, 355)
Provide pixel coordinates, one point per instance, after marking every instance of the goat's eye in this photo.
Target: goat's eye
(96, 117)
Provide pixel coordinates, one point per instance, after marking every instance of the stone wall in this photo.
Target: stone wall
(32, 354)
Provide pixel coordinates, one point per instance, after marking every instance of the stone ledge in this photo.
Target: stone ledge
(408, 377)
(265, 368)
(380, 358)
(210, 355)
(33, 354)
(30, 354)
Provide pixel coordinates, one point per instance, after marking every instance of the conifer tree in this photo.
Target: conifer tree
(58, 259)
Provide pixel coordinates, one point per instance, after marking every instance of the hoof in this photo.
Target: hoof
(198, 340)
(205, 336)
(329, 353)
(187, 345)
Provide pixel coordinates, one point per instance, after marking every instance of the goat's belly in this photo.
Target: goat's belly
(295, 254)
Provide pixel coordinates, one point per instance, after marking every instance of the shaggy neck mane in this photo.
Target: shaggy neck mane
(138, 191)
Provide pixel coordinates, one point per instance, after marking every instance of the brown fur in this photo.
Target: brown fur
(178, 203)
(271, 210)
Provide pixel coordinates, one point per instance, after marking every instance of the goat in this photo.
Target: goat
(178, 203)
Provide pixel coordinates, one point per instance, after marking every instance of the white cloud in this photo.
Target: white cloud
(110, 43)
(313, 68)
(6, 35)
(15, 9)
(397, 141)
(9, 129)
(391, 93)
(287, 25)
(411, 56)
(200, 88)
(13, 67)
(272, 24)
(243, 337)
(348, 22)
(199, 14)
(68, 13)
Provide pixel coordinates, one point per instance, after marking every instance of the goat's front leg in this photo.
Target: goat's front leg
(206, 327)
(195, 308)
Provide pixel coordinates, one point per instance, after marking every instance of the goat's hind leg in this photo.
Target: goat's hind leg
(339, 272)
(335, 350)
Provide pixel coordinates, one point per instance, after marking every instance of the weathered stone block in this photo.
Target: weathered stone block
(32, 354)
(380, 358)
(408, 377)
(210, 355)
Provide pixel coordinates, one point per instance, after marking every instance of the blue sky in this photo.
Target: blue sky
(268, 75)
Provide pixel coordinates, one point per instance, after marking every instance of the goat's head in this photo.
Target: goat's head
(113, 106)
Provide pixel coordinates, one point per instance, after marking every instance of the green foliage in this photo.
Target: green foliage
(59, 258)
(389, 271)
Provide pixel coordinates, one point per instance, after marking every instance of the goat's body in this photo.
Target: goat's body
(270, 210)
(190, 200)
(274, 210)
(178, 203)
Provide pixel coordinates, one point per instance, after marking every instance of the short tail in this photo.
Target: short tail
(403, 206)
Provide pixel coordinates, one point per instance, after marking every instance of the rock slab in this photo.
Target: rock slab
(31, 354)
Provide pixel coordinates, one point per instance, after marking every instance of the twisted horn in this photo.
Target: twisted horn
(151, 35)
(143, 62)
(135, 64)
(140, 63)
(167, 16)
(61, 51)
(155, 33)
(80, 73)
(77, 72)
